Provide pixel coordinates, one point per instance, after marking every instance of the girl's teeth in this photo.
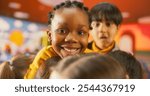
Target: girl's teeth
(70, 50)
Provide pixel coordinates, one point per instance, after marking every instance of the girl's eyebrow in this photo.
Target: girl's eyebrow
(62, 23)
(83, 26)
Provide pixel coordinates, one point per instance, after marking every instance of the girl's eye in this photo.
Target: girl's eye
(82, 33)
(61, 31)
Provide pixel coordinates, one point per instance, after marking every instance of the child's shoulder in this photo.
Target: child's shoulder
(47, 51)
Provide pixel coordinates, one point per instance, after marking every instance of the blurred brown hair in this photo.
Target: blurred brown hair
(45, 69)
(90, 67)
(6, 72)
(20, 64)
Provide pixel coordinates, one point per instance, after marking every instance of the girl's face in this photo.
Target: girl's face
(69, 31)
(103, 33)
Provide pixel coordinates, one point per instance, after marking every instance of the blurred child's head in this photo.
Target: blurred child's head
(6, 72)
(131, 64)
(69, 28)
(20, 64)
(105, 20)
(89, 67)
(65, 62)
(45, 69)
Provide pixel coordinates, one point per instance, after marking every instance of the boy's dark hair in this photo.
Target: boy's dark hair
(106, 11)
(67, 4)
(131, 64)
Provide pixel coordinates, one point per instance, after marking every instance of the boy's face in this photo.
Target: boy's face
(103, 33)
(69, 31)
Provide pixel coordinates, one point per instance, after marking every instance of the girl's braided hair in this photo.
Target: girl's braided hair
(67, 4)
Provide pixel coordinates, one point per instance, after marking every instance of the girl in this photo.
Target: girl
(68, 34)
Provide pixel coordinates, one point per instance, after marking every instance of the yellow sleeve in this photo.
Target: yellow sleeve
(42, 55)
(88, 51)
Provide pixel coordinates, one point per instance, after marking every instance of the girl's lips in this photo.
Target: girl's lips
(71, 51)
(70, 46)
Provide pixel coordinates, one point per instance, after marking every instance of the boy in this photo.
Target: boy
(105, 21)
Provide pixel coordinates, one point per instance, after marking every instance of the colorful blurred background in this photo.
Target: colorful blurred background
(23, 25)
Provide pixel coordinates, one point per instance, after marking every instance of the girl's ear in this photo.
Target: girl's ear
(49, 34)
(49, 31)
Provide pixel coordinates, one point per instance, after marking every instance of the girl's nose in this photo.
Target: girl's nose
(71, 38)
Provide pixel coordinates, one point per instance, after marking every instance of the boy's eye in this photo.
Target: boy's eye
(108, 24)
(97, 24)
